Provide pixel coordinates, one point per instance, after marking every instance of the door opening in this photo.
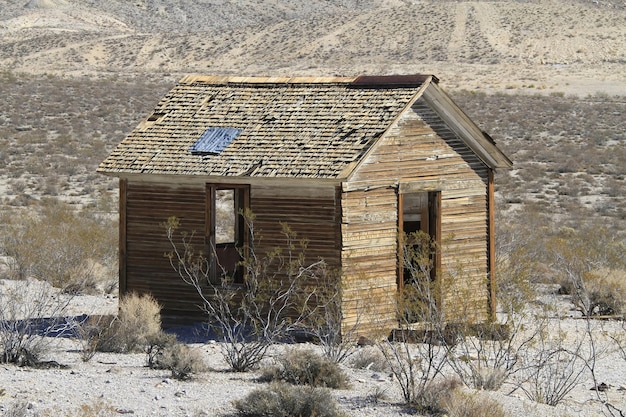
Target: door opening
(419, 212)
(226, 230)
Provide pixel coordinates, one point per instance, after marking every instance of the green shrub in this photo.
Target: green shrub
(284, 400)
(305, 367)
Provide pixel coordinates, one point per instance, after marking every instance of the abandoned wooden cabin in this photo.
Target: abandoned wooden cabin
(348, 163)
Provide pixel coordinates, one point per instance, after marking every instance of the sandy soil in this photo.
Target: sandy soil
(123, 382)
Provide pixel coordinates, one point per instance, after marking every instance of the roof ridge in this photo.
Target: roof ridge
(407, 80)
(224, 79)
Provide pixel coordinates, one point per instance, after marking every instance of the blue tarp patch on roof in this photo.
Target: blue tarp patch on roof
(214, 140)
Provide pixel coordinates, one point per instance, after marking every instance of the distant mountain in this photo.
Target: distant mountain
(571, 46)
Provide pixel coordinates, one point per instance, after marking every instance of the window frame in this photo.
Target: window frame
(430, 224)
(241, 196)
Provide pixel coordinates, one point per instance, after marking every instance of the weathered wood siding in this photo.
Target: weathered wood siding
(148, 205)
(369, 228)
(311, 213)
(419, 153)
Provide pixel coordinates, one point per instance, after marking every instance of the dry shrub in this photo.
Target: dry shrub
(589, 264)
(465, 404)
(431, 398)
(97, 408)
(281, 399)
(182, 360)
(158, 344)
(92, 334)
(32, 315)
(305, 367)
(369, 358)
(138, 321)
(18, 409)
(606, 290)
(447, 397)
(81, 245)
(491, 379)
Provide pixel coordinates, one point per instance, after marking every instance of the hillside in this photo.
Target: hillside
(78, 75)
(533, 46)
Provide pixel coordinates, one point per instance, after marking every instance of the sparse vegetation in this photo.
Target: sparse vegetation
(282, 400)
(183, 361)
(370, 358)
(31, 316)
(270, 304)
(72, 250)
(134, 329)
(563, 212)
(305, 367)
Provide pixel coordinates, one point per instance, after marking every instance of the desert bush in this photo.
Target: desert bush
(599, 292)
(556, 364)
(183, 361)
(283, 400)
(447, 397)
(270, 304)
(92, 332)
(19, 409)
(74, 251)
(305, 367)
(32, 313)
(96, 408)
(465, 404)
(486, 355)
(137, 324)
(325, 319)
(157, 345)
(587, 262)
(418, 350)
(368, 357)
(431, 398)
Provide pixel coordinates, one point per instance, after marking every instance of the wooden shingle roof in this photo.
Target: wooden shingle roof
(289, 127)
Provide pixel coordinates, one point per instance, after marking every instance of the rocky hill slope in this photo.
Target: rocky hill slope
(535, 46)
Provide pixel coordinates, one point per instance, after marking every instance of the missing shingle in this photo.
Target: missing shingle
(155, 116)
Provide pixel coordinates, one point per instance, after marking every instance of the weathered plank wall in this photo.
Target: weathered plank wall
(311, 213)
(369, 227)
(419, 153)
(148, 205)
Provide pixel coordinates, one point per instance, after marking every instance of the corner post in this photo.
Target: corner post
(491, 247)
(123, 186)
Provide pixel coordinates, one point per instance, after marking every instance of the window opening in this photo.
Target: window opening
(226, 232)
(225, 217)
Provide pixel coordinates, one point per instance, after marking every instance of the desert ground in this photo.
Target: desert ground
(111, 384)
(547, 80)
